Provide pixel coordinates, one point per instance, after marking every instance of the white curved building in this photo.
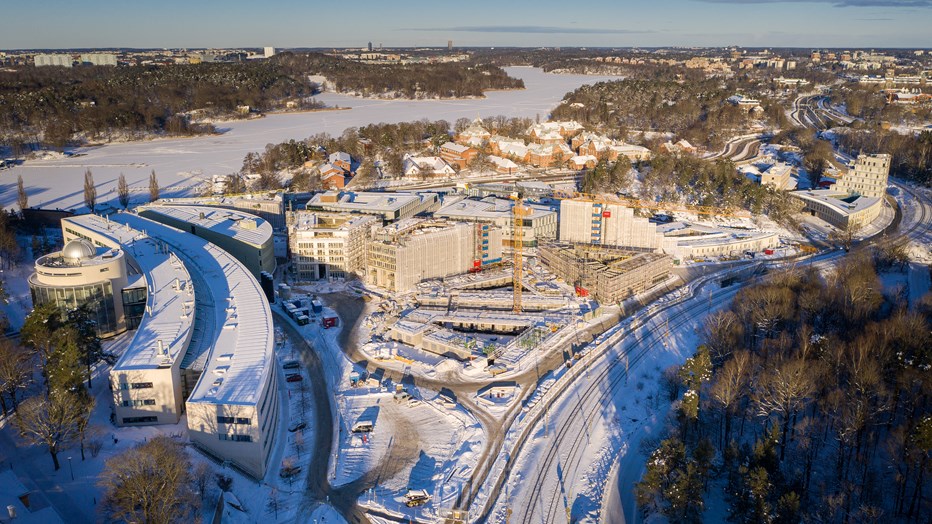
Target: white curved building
(196, 349)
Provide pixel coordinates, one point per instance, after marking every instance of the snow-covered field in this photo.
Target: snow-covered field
(183, 164)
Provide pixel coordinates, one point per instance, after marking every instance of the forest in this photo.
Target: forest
(808, 401)
(440, 80)
(695, 110)
(55, 107)
(689, 180)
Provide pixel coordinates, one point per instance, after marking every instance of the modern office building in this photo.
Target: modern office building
(589, 222)
(82, 274)
(868, 178)
(329, 245)
(243, 235)
(270, 208)
(389, 206)
(539, 225)
(409, 251)
(841, 210)
(204, 343)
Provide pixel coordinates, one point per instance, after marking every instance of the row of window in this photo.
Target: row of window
(235, 438)
(135, 385)
(139, 420)
(233, 420)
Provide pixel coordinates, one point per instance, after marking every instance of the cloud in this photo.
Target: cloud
(836, 3)
(533, 29)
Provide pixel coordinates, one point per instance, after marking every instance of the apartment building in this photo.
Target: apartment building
(609, 274)
(329, 245)
(409, 251)
(539, 225)
(868, 178)
(588, 222)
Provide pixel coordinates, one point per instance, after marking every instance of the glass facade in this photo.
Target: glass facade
(99, 295)
(134, 305)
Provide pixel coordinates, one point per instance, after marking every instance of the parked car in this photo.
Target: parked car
(416, 497)
(291, 364)
(402, 395)
(297, 426)
(363, 426)
(293, 377)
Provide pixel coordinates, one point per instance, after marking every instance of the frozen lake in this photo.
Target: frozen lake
(181, 164)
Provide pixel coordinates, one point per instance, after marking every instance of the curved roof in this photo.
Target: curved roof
(239, 225)
(164, 331)
(238, 328)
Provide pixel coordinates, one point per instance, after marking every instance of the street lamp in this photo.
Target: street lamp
(71, 468)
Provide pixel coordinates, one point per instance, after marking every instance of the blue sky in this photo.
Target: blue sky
(309, 23)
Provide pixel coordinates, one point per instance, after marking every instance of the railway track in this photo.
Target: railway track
(565, 447)
(593, 398)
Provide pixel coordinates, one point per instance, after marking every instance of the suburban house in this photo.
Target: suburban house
(506, 147)
(548, 132)
(474, 135)
(580, 162)
(342, 160)
(503, 165)
(333, 180)
(457, 154)
(604, 147)
(681, 146)
(426, 166)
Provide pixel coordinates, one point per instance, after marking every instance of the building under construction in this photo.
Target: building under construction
(609, 274)
(411, 250)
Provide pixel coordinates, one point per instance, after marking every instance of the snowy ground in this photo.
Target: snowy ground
(183, 164)
(415, 444)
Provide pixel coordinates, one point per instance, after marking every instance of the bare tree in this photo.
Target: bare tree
(22, 199)
(783, 392)
(150, 483)
(153, 187)
(731, 385)
(90, 191)
(846, 235)
(15, 371)
(123, 191)
(50, 421)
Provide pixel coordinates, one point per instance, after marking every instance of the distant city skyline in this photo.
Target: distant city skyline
(56, 24)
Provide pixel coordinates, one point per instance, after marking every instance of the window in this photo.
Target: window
(235, 438)
(138, 420)
(141, 385)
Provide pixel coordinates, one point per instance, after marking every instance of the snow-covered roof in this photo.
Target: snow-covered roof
(340, 156)
(169, 316)
(369, 202)
(841, 202)
(490, 208)
(455, 148)
(241, 226)
(239, 331)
